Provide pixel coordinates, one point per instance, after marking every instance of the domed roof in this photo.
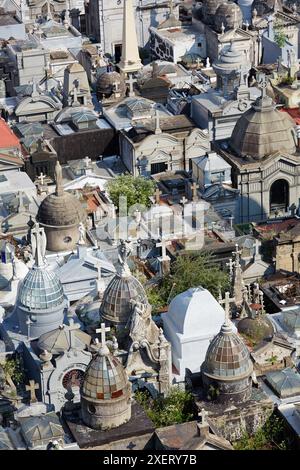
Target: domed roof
(116, 304)
(227, 357)
(209, 9)
(230, 60)
(105, 378)
(64, 338)
(229, 15)
(186, 315)
(41, 289)
(257, 328)
(263, 130)
(108, 80)
(60, 209)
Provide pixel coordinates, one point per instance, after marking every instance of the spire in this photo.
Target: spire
(38, 242)
(130, 60)
(58, 179)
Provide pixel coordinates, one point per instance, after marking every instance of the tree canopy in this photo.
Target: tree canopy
(136, 189)
(193, 271)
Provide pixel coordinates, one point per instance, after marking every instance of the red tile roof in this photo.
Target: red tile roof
(7, 138)
(294, 113)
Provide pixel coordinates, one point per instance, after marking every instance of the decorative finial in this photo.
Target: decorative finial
(58, 179)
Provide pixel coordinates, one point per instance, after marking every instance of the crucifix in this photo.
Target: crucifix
(183, 200)
(163, 245)
(41, 178)
(32, 387)
(230, 265)
(194, 188)
(103, 331)
(226, 302)
(157, 194)
(131, 81)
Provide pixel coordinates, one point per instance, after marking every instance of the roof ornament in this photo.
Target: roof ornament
(263, 83)
(58, 179)
(157, 123)
(103, 351)
(38, 242)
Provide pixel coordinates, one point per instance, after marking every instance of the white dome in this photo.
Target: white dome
(196, 312)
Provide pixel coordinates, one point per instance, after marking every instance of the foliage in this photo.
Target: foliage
(270, 436)
(287, 80)
(155, 299)
(193, 271)
(177, 407)
(213, 393)
(280, 37)
(14, 368)
(137, 190)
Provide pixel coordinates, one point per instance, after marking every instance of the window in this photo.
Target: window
(199, 44)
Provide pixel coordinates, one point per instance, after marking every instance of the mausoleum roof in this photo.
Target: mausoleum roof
(64, 338)
(41, 289)
(285, 383)
(227, 357)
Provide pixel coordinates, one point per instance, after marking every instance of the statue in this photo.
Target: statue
(58, 178)
(38, 243)
(82, 232)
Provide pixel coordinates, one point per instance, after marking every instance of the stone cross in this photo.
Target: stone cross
(163, 245)
(131, 82)
(183, 200)
(226, 302)
(263, 83)
(41, 178)
(194, 188)
(103, 331)
(32, 387)
(157, 196)
(237, 254)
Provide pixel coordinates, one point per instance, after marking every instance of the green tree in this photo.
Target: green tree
(14, 368)
(271, 436)
(177, 407)
(137, 190)
(193, 271)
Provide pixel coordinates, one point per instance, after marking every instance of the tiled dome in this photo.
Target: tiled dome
(116, 306)
(41, 289)
(263, 130)
(105, 379)
(227, 357)
(230, 15)
(60, 210)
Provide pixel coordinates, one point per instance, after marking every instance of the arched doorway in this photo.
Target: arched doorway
(279, 196)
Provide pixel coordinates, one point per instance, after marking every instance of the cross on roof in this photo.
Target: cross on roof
(163, 245)
(183, 200)
(237, 254)
(41, 178)
(32, 387)
(226, 302)
(263, 83)
(131, 81)
(157, 194)
(103, 330)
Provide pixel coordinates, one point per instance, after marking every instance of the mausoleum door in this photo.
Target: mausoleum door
(279, 196)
